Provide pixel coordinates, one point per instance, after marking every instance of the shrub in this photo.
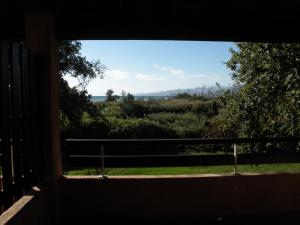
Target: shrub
(139, 128)
(208, 108)
(111, 110)
(64, 121)
(133, 109)
(174, 106)
(93, 129)
(184, 125)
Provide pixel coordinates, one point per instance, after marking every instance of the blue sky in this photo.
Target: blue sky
(151, 66)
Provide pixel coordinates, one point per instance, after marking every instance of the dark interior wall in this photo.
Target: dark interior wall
(190, 196)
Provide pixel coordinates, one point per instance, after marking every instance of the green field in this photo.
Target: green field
(286, 167)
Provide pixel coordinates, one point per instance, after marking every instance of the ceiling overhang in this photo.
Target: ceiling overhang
(214, 20)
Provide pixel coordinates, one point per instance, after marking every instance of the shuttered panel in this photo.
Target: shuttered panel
(19, 157)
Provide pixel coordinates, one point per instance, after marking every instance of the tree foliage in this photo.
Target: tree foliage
(75, 101)
(268, 101)
(127, 97)
(110, 97)
(73, 63)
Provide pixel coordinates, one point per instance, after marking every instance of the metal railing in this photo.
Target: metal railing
(103, 159)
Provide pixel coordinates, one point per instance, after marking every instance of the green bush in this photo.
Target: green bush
(184, 125)
(111, 110)
(208, 108)
(139, 128)
(187, 96)
(94, 129)
(64, 121)
(133, 109)
(171, 106)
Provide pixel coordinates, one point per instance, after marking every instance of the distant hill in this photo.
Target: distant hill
(214, 90)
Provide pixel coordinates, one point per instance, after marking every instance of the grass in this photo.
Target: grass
(284, 167)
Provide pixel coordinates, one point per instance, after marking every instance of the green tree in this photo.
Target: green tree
(75, 101)
(127, 97)
(73, 63)
(132, 108)
(268, 100)
(110, 97)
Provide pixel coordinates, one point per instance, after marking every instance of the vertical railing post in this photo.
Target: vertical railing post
(103, 175)
(235, 159)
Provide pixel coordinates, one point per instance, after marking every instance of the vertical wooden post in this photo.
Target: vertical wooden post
(40, 40)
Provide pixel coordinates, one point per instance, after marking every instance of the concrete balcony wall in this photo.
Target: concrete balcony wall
(89, 200)
(169, 196)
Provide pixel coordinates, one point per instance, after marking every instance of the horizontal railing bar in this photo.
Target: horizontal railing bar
(145, 150)
(126, 161)
(149, 161)
(180, 160)
(268, 158)
(189, 140)
(144, 156)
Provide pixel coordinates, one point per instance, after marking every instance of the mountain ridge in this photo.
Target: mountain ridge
(192, 91)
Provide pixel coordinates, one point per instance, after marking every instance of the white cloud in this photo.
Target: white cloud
(146, 77)
(171, 70)
(176, 72)
(117, 74)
